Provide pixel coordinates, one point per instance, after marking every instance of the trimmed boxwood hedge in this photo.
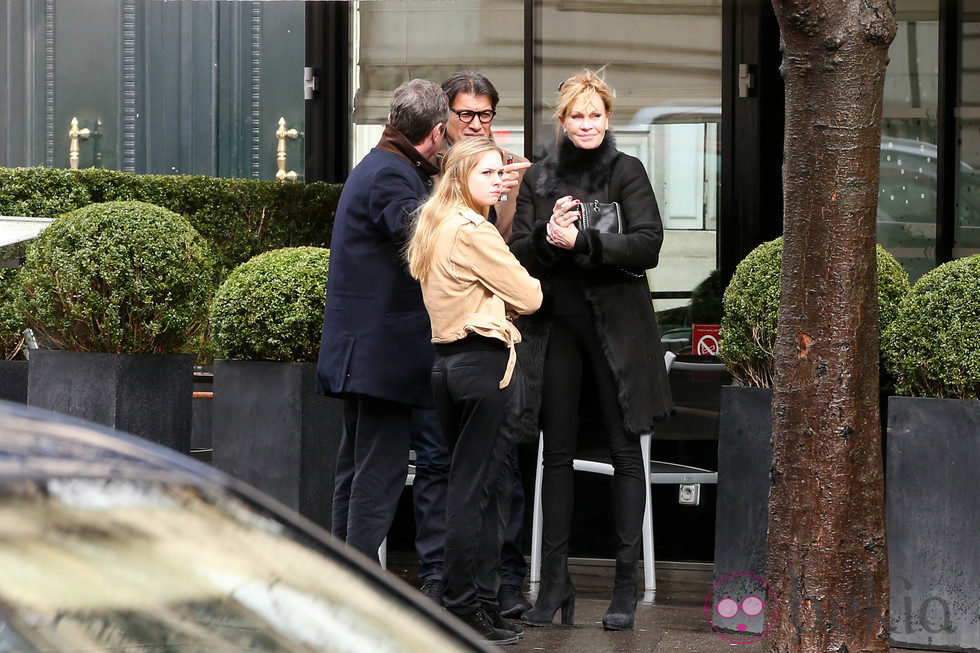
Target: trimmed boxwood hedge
(751, 307)
(931, 347)
(271, 307)
(240, 217)
(118, 277)
(9, 322)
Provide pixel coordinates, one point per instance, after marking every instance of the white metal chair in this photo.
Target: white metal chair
(658, 473)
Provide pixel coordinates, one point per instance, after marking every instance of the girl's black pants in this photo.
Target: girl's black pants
(478, 419)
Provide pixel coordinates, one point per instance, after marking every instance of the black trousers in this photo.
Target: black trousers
(371, 468)
(432, 461)
(477, 418)
(574, 350)
(429, 492)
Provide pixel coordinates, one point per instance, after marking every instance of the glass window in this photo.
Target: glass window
(967, 230)
(394, 42)
(664, 61)
(907, 188)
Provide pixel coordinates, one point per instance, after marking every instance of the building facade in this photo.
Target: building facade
(215, 88)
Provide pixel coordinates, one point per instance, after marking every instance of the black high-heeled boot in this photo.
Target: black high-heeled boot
(622, 609)
(557, 591)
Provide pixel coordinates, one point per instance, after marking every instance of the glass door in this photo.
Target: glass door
(664, 61)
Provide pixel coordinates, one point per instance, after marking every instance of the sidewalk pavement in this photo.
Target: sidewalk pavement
(673, 621)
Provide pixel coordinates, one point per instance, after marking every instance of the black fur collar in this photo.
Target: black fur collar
(589, 170)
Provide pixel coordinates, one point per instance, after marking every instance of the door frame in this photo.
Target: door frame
(328, 121)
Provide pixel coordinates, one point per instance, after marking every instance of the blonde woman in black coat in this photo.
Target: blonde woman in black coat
(597, 321)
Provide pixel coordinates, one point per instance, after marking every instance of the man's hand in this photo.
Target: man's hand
(510, 178)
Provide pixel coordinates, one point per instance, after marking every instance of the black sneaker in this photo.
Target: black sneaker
(480, 622)
(512, 601)
(500, 623)
(434, 589)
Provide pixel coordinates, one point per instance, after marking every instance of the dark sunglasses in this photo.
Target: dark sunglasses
(467, 116)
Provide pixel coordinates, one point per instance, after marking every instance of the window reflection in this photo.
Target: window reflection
(907, 187)
(119, 564)
(967, 229)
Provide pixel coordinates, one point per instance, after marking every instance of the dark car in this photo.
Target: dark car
(111, 543)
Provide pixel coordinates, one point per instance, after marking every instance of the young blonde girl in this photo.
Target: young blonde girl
(472, 285)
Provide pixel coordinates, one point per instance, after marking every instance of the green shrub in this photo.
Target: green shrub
(271, 307)
(240, 217)
(751, 308)
(118, 277)
(931, 347)
(9, 321)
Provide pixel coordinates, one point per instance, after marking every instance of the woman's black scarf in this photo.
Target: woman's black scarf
(569, 165)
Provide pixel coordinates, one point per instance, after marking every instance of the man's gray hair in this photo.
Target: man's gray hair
(416, 107)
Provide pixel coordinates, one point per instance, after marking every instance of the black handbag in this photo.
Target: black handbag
(606, 218)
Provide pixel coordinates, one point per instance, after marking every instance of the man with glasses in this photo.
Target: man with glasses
(472, 103)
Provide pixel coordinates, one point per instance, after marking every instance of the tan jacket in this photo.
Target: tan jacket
(475, 284)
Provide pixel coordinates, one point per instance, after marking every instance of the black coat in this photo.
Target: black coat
(625, 319)
(376, 333)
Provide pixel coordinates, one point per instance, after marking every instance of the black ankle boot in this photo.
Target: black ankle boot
(556, 592)
(622, 609)
(500, 623)
(480, 622)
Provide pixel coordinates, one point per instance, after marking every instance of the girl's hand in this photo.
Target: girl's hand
(565, 211)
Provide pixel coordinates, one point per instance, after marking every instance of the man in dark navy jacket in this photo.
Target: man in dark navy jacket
(375, 352)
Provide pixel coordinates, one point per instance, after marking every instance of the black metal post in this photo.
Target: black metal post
(752, 119)
(947, 155)
(532, 75)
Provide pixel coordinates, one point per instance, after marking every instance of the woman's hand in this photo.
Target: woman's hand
(563, 237)
(561, 230)
(566, 211)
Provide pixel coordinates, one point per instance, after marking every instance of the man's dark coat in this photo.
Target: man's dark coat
(376, 332)
(609, 271)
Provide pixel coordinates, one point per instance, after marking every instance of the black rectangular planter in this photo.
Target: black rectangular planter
(933, 515)
(13, 381)
(146, 395)
(742, 517)
(273, 431)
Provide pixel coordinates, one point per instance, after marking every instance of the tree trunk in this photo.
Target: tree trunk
(826, 550)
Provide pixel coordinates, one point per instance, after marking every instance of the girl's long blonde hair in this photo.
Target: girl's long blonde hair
(450, 194)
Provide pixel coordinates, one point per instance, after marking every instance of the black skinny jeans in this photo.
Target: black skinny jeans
(573, 350)
(477, 418)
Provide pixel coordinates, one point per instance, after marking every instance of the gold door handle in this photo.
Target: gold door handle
(281, 135)
(74, 135)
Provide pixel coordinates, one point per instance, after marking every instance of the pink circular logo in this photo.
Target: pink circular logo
(736, 607)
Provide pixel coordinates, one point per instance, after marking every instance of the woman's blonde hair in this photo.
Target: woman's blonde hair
(450, 194)
(587, 84)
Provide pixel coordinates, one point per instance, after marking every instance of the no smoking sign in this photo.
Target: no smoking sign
(705, 339)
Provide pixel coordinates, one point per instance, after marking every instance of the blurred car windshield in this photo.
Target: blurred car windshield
(130, 563)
